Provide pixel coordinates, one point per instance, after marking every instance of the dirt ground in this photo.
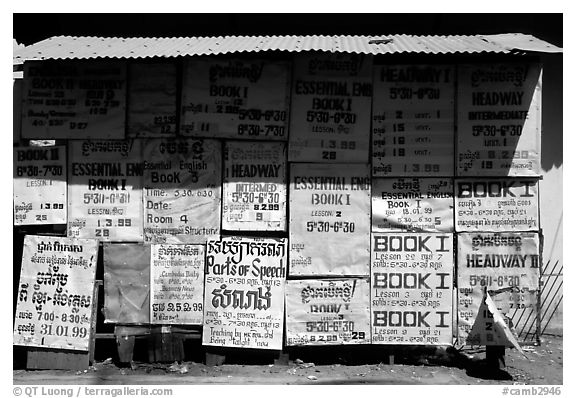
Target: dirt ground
(543, 366)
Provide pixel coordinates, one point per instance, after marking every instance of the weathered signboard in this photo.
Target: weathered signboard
(177, 284)
(244, 293)
(507, 265)
(55, 293)
(182, 180)
(74, 100)
(152, 100)
(331, 104)
(40, 185)
(327, 311)
(412, 204)
(412, 287)
(329, 220)
(499, 119)
(254, 187)
(235, 98)
(126, 283)
(499, 205)
(413, 120)
(105, 190)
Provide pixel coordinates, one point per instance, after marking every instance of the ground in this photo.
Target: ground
(543, 366)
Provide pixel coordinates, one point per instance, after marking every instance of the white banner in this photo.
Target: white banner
(244, 293)
(254, 187)
(40, 185)
(64, 100)
(182, 180)
(412, 204)
(327, 311)
(105, 190)
(329, 219)
(152, 100)
(331, 104)
(507, 265)
(55, 293)
(499, 205)
(499, 119)
(235, 99)
(176, 284)
(413, 120)
(412, 287)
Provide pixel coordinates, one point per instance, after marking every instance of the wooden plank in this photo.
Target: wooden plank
(214, 359)
(46, 358)
(92, 343)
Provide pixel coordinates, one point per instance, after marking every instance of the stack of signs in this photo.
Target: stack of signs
(55, 293)
(244, 293)
(182, 181)
(412, 282)
(40, 185)
(254, 187)
(245, 99)
(105, 190)
(177, 284)
(330, 112)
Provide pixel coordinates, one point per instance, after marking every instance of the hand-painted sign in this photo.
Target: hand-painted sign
(64, 100)
(507, 265)
(40, 185)
(127, 283)
(105, 190)
(413, 120)
(55, 293)
(330, 112)
(242, 99)
(244, 293)
(329, 220)
(499, 205)
(499, 119)
(152, 100)
(327, 311)
(177, 284)
(182, 179)
(412, 287)
(412, 204)
(254, 188)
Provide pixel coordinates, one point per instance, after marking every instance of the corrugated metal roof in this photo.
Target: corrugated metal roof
(70, 47)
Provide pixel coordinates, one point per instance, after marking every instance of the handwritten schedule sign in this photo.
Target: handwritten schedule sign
(105, 190)
(411, 277)
(152, 100)
(327, 311)
(413, 120)
(40, 185)
(330, 112)
(329, 219)
(74, 100)
(254, 186)
(181, 190)
(498, 205)
(177, 284)
(508, 266)
(244, 293)
(238, 98)
(412, 204)
(499, 119)
(55, 293)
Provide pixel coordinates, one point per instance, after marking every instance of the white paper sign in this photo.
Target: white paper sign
(327, 311)
(329, 219)
(55, 293)
(412, 285)
(412, 204)
(330, 111)
(413, 120)
(254, 188)
(40, 185)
